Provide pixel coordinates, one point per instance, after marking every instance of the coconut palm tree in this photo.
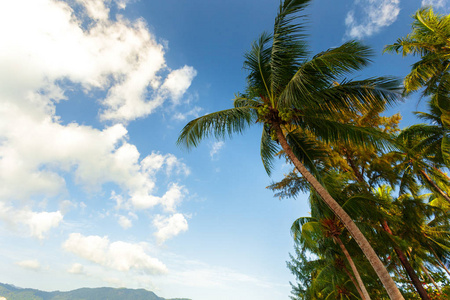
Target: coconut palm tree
(430, 38)
(285, 88)
(433, 137)
(310, 232)
(419, 156)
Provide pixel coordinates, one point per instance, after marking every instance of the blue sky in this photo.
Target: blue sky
(93, 189)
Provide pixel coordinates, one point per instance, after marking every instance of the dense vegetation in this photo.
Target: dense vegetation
(379, 195)
(13, 293)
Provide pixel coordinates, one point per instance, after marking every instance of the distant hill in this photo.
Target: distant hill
(11, 292)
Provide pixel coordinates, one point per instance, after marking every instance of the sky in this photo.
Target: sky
(94, 190)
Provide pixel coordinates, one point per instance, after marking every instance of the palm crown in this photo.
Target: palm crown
(284, 88)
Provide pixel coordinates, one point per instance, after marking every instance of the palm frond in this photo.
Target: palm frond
(257, 63)
(288, 45)
(218, 124)
(268, 150)
(334, 132)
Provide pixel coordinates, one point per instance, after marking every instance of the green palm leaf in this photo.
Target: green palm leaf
(219, 124)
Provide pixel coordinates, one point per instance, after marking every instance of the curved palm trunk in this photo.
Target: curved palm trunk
(407, 266)
(383, 274)
(440, 261)
(355, 283)
(431, 278)
(354, 269)
(435, 186)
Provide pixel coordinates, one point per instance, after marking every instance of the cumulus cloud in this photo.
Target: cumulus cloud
(375, 14)
(76, 269)
(120, 57)
(178, 81)
(169, 227)
(215, 148)
(33, 265)
(120, 256)
(125, 222)
(434, 3)
(38, 224)
(52, 52)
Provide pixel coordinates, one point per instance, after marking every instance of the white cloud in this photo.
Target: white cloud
(215, 148)
(96, 9)
(434, 3)
(195, 113)
(169, 227)
(120, 256)
(51, 52)
(33, 265)
(122, 4)
(178, 81)
(36, 154)
(376, 14)
(120, 57)
(125, 222)
(173, 197)
(76, 269)
(37, 223)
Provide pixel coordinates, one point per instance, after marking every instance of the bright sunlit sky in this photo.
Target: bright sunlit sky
(93, 189)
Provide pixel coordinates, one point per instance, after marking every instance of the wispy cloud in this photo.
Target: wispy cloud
(33, 265)
(215, 148)
(368, 17)
(435, 3)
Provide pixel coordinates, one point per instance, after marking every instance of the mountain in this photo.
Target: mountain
(11, 292)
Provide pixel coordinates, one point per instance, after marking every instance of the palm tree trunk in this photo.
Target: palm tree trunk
(408, 268)
(431, 278)
(440, 261)
(402, 277)
(354, 269)
(355, 283)
(402, 257)
(383, 274)
(435, 186)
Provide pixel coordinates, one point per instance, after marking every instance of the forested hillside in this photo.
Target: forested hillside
(14, 293)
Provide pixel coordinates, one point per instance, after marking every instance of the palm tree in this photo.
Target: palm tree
(309, 232)
(419, 156)
(430, 38)
(434, 136)
(284, 88)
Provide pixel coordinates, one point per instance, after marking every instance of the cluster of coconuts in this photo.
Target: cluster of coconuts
(285, 115)
(263, 110)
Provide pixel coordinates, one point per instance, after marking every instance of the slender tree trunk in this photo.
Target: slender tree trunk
(358, 174)
(435, 186)
(442, 173)
(440, 261)
(383, 274)
(354, 269)
(408, 268)
(431, 278)
(355, 283)
(403, 277)
(402, 257)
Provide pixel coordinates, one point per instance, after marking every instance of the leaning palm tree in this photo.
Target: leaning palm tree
(286, 91)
